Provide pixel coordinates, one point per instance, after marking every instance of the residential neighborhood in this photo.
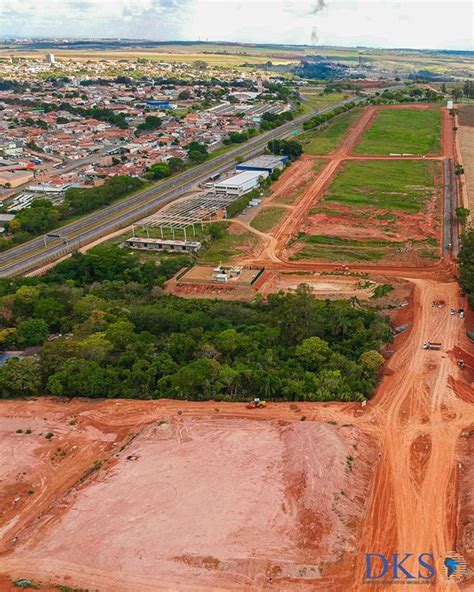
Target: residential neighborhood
(60, 131)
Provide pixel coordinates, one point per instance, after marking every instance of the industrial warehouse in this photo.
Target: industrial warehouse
(205, 206)
(241, 183)
(266, 162)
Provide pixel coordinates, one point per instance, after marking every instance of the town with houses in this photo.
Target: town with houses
(50, 140)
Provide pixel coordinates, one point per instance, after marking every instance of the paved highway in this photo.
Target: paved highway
(36, 253)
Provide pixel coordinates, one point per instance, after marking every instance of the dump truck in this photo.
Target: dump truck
(431, 345)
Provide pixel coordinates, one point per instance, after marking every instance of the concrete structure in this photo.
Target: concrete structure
(15, 179)
(52, 189)
(240, 184)
(10, 149)
(242, 277)
(4, 219)
(223, 273)
(50, 59)
(158, 244)
(450, 104)
(266, 162)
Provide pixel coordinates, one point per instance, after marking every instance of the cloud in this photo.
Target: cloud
(383, 23)
(92, 18)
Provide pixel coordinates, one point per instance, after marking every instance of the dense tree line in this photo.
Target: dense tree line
(272, 120)
(318, 120)
(290, 148)
(99, 113)
(122, 337)
(322, 69)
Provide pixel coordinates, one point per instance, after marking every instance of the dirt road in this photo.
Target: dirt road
(420, 410)
(419, 420)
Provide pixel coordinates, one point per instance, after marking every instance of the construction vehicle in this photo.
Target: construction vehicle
(256, 404)
(453, 311)
(460, 364)
(431, 345)
(461, 313)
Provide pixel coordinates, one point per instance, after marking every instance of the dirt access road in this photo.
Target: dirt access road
(419, 419)
(420, 410)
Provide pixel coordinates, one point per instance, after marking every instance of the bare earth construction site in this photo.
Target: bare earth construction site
(175, 495)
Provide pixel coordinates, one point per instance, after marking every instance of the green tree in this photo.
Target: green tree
(151, 123)
(83, 378)
(95, 347)
(24, 300)
(192, 381)
(372, 361)
(32, 332)
(7, 337)
(50, 311)
(175, 164)
(120, 334)
(466, 263)
(312, 353)
(20, 377)
(463, 214)
(159, 170)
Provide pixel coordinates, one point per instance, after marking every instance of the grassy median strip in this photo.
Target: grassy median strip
(402, 131)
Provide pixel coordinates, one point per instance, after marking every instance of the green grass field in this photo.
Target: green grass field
(404, 185)
(222, 249)
(267, 218)
(321, 100)
(396, 131)
(327, 138)
(335, 248)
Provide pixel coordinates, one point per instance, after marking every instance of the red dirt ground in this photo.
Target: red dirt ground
(217, 503)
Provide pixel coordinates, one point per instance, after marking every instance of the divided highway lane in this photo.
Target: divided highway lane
(34, 253)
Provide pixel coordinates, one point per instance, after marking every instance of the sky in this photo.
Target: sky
(436, 24)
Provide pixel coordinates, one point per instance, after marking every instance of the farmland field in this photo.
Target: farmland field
(375, 210)
(325, 139)
(398, 131)
(391, 184)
